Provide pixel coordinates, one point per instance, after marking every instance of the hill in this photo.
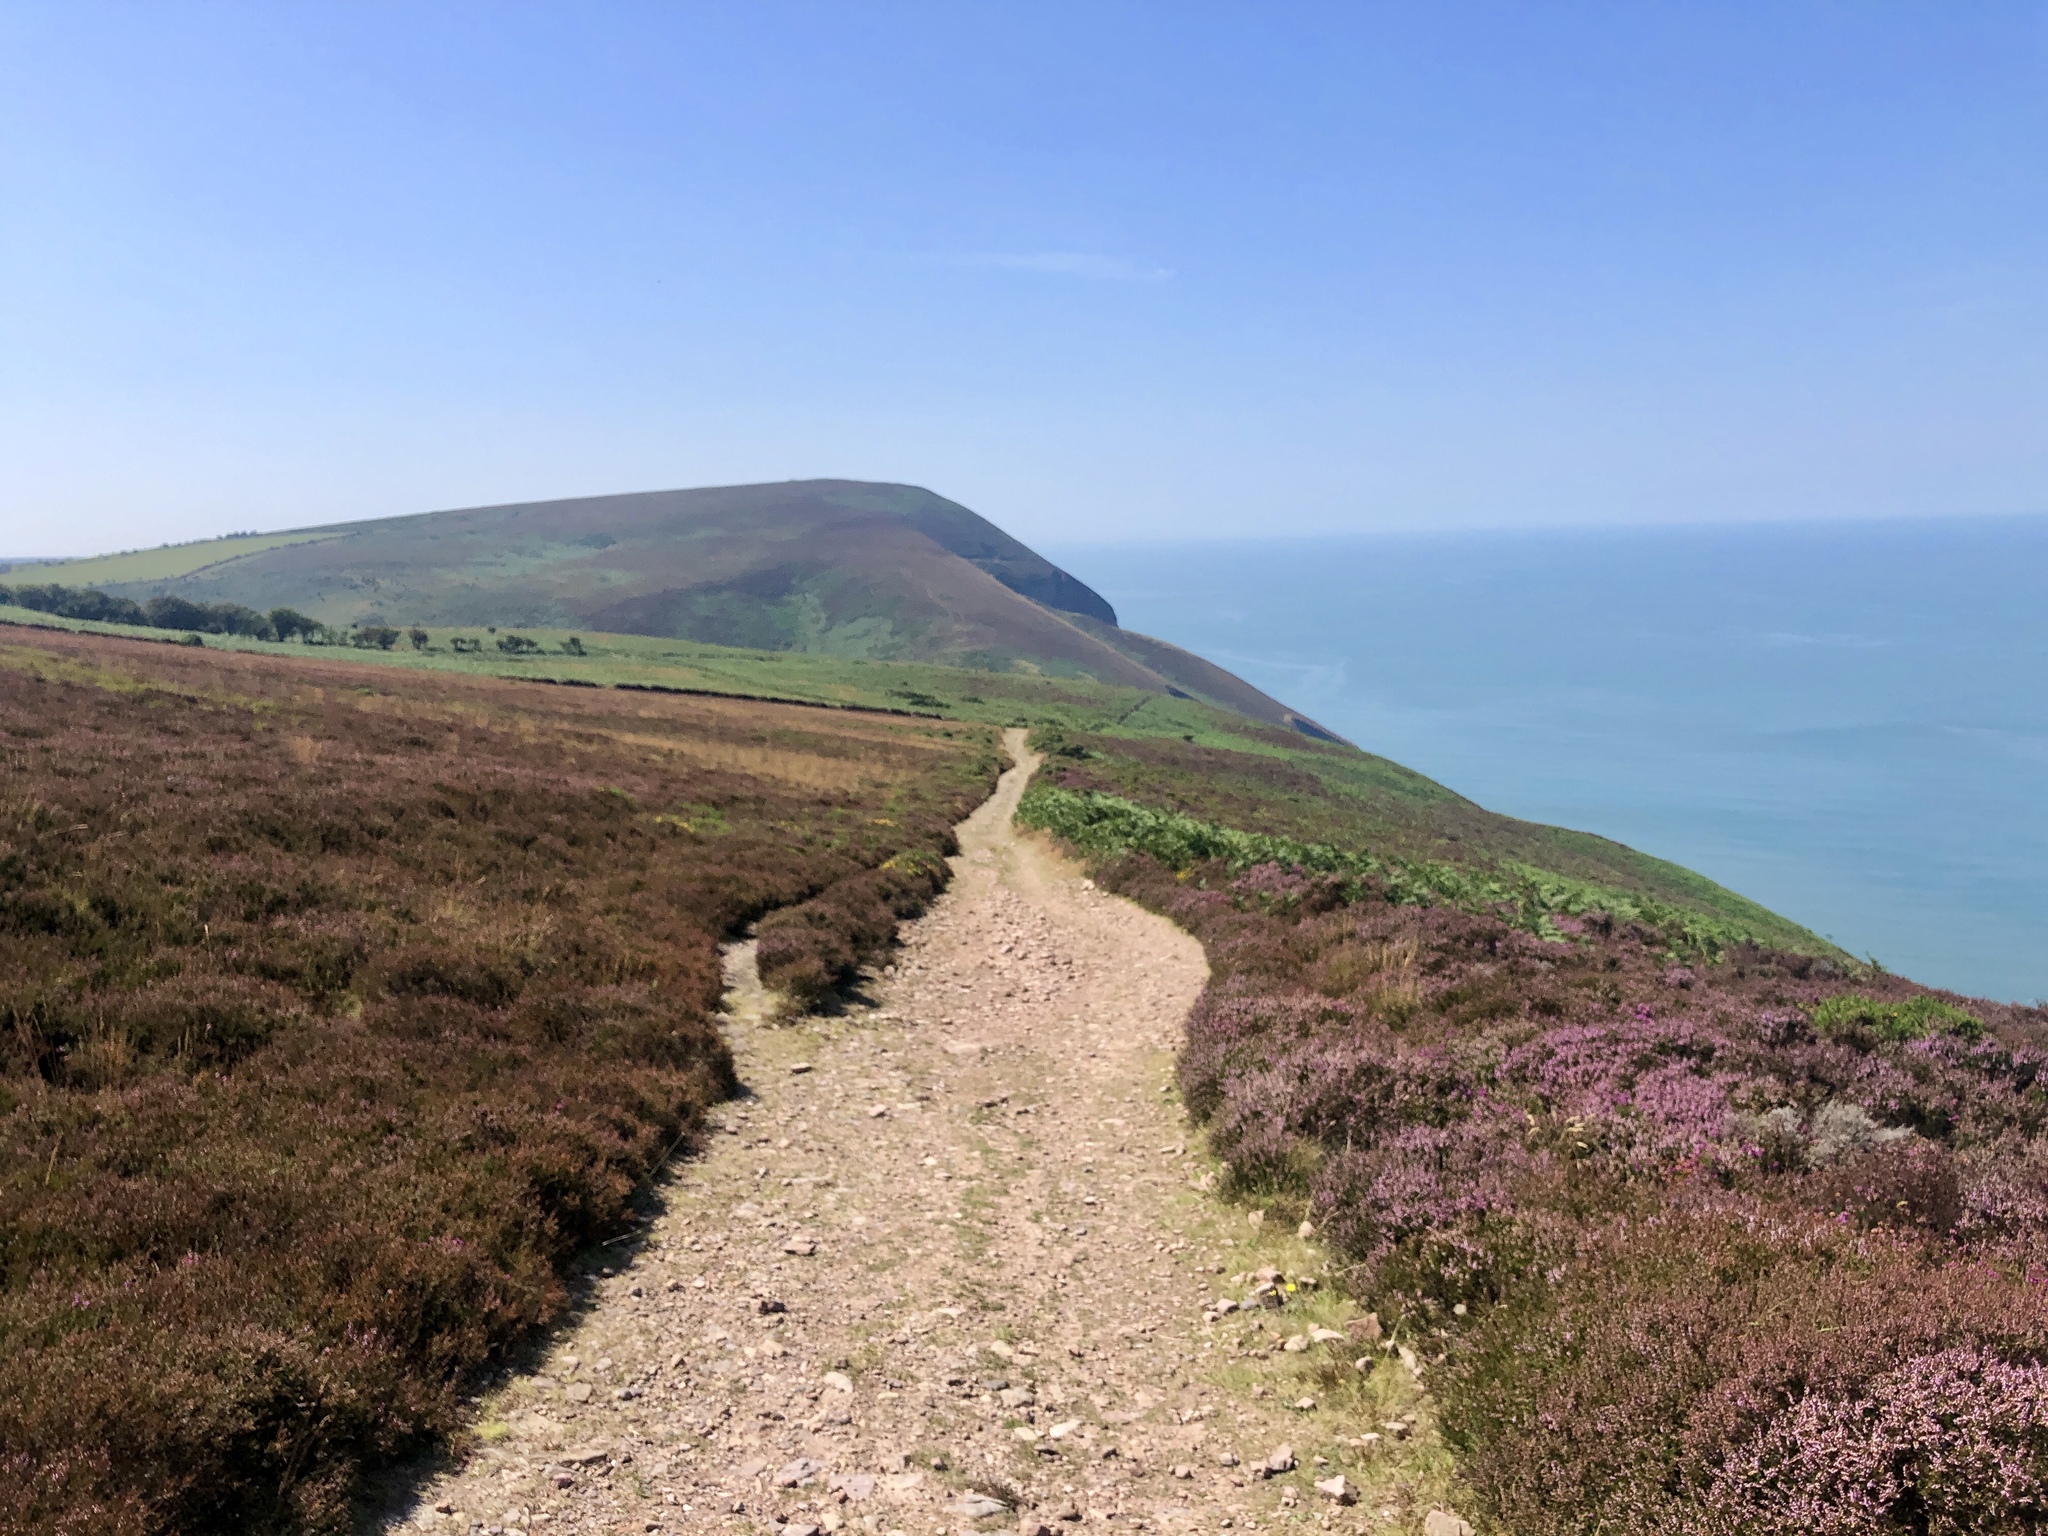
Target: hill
(838, 567)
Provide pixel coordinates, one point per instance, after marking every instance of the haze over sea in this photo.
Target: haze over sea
(1845, 721)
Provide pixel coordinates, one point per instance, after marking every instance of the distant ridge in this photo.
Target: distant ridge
(841, 567)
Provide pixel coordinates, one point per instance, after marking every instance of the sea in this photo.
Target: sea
(1846, 721)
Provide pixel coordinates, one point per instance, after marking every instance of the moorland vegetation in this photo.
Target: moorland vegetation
(341, 1008)
(1696, 1223)
(1690, 1232)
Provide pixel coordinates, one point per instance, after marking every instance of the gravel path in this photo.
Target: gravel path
(951, 1267)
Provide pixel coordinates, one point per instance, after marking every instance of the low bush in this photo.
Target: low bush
(1853, 1016)
(1688, 1236)
(1104, 825)
(807, 952)
(339, 1011)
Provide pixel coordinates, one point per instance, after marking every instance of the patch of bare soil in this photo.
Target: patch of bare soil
(952, 1267)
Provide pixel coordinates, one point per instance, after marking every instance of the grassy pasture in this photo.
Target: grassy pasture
(342, 1006)
(164, 564)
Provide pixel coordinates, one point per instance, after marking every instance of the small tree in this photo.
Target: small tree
(517, 645)
(290, 624)
(572, 646)
(418, 637)
(167, 612)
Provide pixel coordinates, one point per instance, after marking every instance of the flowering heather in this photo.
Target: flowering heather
(1726, 1240)
(340, 1010)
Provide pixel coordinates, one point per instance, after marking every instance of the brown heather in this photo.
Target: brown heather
(339, 1010)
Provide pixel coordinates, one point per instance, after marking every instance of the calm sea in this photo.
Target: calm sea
(1846, 721)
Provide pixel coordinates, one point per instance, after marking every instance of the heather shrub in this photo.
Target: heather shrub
(808, 951)
(1721, 1370)
(1689, 1236)
(1949, 1442)
(339, 1012)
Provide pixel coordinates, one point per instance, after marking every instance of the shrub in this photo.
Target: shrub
(1104, 825)
(1851, 1016)
(339, 1011)
(1699, 1248)
(810, 950)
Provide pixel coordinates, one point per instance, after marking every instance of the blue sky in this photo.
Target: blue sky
(1102, 271)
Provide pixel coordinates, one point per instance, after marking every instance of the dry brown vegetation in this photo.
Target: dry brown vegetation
(339, 1009)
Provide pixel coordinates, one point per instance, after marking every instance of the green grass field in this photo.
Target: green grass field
(165, 564)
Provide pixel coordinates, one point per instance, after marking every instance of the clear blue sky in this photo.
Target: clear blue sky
(1100, 270)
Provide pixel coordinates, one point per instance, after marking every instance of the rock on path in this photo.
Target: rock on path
(944, 1270)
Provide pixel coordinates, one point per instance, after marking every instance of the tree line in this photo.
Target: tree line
(164, 612)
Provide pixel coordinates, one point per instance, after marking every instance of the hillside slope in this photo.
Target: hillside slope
(839, 567)
(1164, 749)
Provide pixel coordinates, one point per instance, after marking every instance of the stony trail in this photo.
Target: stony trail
(945, 1269)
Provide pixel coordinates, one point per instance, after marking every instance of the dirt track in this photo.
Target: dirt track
(954, 1246)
